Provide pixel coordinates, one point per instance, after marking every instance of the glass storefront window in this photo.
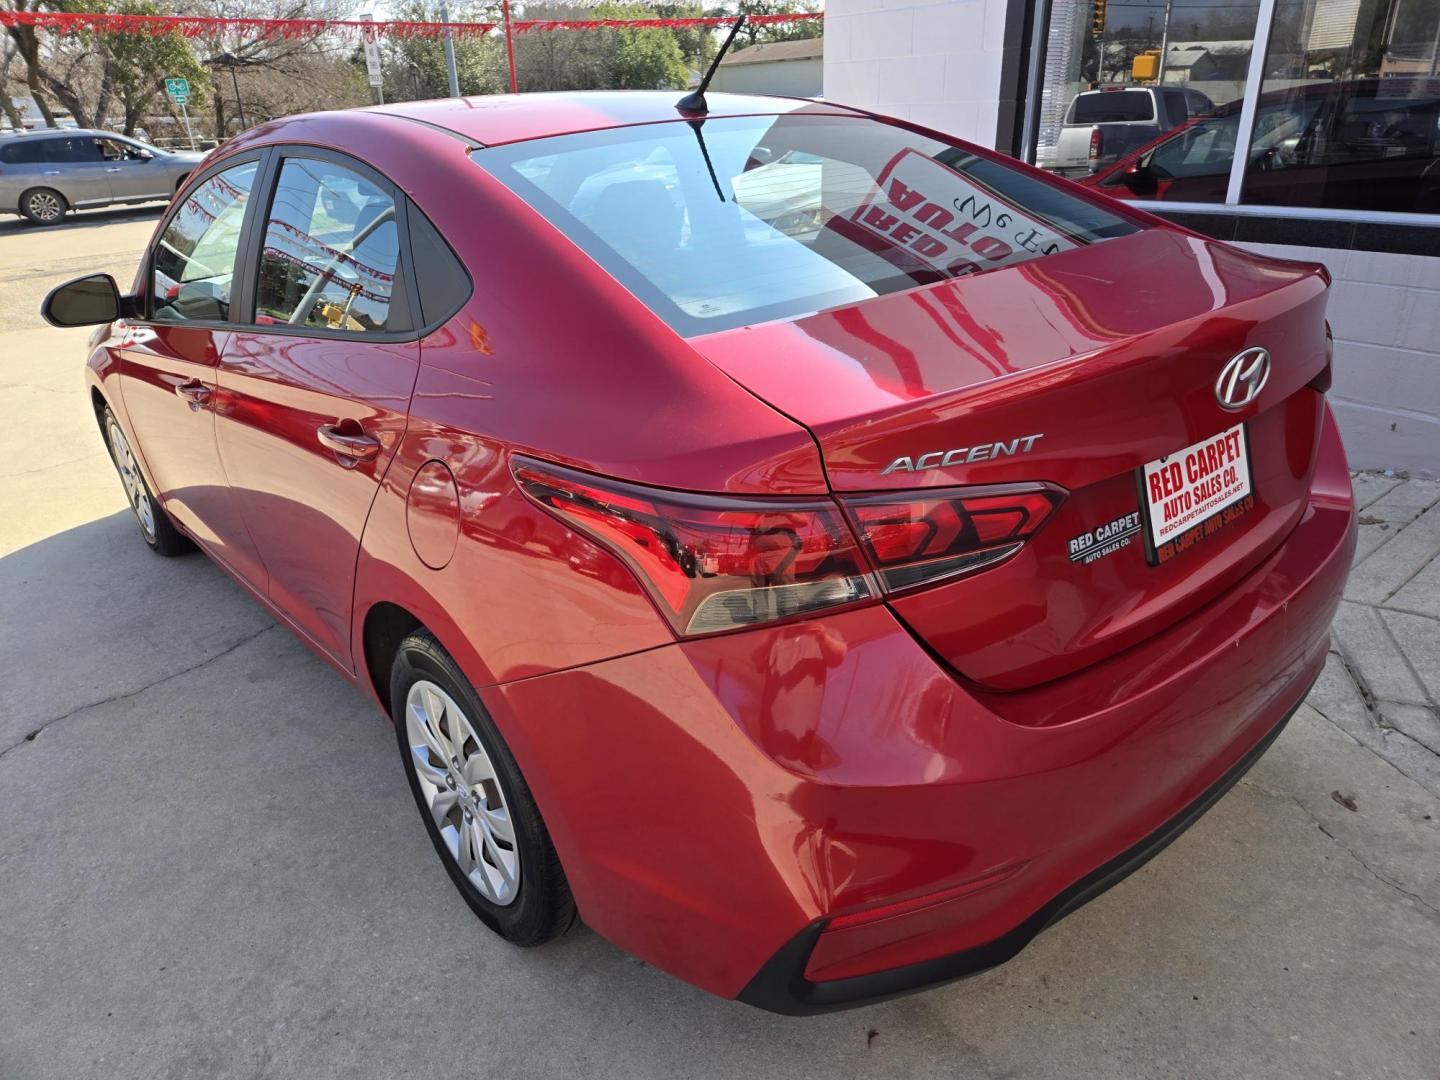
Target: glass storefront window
(1145, 100)
(1120, 75)
(1353, 87)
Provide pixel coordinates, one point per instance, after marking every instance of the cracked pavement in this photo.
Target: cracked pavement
(210, 867)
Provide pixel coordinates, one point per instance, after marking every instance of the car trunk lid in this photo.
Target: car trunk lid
(1074, 370)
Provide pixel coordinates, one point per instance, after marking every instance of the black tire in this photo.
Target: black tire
(542, 908)
(43, 206)
(160, 536)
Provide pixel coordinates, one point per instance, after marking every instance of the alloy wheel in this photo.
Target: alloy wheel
(45, 206)
(130, 477)
(462, 792)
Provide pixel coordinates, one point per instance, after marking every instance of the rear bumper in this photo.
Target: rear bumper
(810, 815)
(781, 985)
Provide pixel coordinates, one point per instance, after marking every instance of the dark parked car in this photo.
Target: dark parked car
(45, 173)
(1362, 144)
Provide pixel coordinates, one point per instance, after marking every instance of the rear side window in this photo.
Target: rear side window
(1378, 127)
(26, 152)
(1112, 107)
(330, 253)
(441, 283)
(746, 219)
(72, 150)
(194, 265)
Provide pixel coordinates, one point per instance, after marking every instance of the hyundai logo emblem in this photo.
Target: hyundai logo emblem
(1242, 378)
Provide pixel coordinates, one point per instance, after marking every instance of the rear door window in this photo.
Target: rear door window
(331, 252)
(1376, 127)
(74, 150)
(1112, 107)
(747, 219)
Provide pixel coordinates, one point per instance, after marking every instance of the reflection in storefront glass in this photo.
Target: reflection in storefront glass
(1121, 74)
(1352, 96)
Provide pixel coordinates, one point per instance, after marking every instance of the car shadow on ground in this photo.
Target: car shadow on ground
(210, 865)
(85, 219)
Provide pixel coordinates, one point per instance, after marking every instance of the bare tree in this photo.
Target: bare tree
(27, 44)
(6, 102)
(270, 75)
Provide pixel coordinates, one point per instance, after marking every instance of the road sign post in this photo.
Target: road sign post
(179, 92)
(372, 60)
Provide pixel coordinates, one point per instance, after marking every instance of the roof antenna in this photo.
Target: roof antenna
(694, 102)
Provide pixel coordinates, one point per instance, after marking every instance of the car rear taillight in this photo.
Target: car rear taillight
(711, 563)
(1097, 144)
(921, 538)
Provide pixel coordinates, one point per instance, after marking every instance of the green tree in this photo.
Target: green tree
(95, 74)
(414, 68)
(697, 43)
(646, 58)
(138, 65)
(756, 34)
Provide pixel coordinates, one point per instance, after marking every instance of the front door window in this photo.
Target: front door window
(194, 266)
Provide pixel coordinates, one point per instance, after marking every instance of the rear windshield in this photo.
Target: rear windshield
(1112, 107)
(740, 220)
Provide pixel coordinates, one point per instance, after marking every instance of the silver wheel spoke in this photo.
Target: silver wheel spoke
(456, 773)
(478, 769)
(434, 710)
(428, 770)
(498, 858)
(467, 851)
(428, 735)
(497, 821)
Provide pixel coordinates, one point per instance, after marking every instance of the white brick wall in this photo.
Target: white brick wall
(1385, 312)
(933, 62)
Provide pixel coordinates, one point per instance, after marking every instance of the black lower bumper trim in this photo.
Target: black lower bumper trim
(780, 986)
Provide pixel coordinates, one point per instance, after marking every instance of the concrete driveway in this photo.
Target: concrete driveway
(210, 867)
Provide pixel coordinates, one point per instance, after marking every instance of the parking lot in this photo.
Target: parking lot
(210, 867)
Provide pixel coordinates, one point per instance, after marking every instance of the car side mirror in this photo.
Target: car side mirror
(1139, 177)
(86, 301)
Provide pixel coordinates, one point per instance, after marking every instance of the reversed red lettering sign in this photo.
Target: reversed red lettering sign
(925, 214)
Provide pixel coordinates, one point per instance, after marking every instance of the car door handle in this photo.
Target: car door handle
(115, 168)
(195, 393)
(353, 448)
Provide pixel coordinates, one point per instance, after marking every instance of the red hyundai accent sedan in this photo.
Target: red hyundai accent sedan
(817, 552)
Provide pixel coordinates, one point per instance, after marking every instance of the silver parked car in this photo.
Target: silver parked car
(1102, 126)
(44, 173)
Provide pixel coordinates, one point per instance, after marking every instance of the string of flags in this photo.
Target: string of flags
(201, 26)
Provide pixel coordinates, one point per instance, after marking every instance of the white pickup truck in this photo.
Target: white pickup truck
(1102, 126)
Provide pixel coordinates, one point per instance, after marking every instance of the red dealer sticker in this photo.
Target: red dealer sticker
(925, 216)
(1192, 493)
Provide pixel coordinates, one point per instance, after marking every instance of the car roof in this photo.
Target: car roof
(70, 133)
(507, 118)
